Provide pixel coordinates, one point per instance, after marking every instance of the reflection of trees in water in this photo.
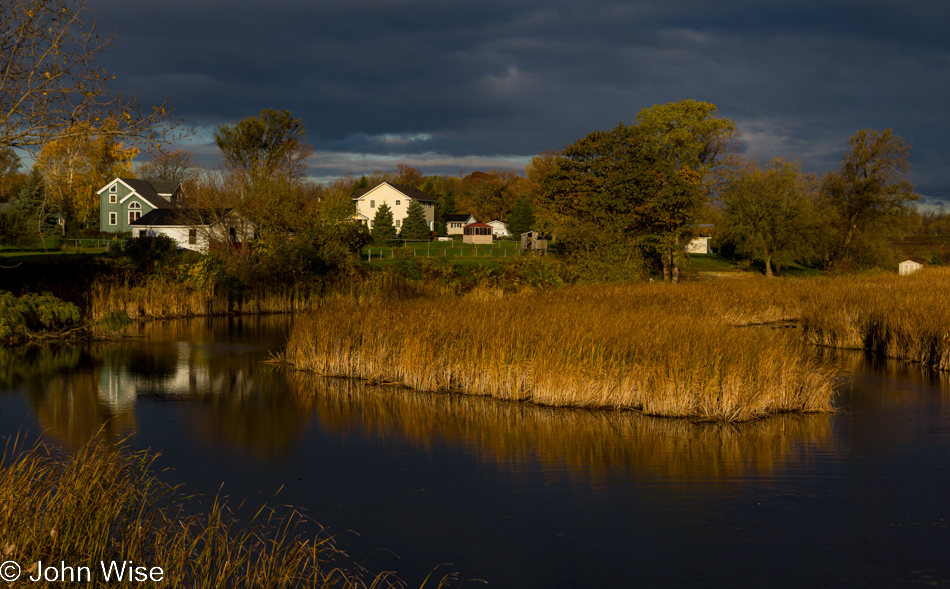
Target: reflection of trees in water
(70, 409)
(255, 329)
(586, 442)
(23, 366)
(895, 398)
(62, 387)
(246, 407)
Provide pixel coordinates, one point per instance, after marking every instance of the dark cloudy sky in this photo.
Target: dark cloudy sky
(449, 85)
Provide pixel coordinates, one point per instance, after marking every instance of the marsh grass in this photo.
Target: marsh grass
(660, 349)
(161, 298)
(901, 317)
(106, 504)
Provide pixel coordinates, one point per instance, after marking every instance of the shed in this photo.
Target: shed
(477, 233)
(699, 245)
(908, 266)
(535, 241)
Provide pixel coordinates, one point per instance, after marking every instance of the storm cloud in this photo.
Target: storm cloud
(471, 85)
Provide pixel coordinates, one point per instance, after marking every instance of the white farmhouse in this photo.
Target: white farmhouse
(499, 229)
(192, 229)
(398, 197)
(454, 222)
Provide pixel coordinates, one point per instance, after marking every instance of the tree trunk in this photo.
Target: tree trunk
(671, 271)
(768, 265)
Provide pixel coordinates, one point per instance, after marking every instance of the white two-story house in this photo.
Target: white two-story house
(398, 197)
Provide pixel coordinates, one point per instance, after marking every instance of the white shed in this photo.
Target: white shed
(698, 245)
(908, 267)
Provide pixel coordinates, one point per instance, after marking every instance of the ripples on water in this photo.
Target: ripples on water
(519, 495)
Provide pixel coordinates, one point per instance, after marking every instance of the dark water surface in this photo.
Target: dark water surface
(521, 496)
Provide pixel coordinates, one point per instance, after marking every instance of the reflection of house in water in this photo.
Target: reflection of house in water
(116, 388)
(184, 374)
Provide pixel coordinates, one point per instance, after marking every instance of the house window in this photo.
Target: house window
(113, 218)
(135, 211)
(113, 198)
(397, 222)
(372, 204)
(192, 236)
(398, 202)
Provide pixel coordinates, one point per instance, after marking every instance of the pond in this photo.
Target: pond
(518, 495)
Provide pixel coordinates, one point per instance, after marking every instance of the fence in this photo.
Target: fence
(440, 249)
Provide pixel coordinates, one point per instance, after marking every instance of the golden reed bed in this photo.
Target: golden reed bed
(669, 350)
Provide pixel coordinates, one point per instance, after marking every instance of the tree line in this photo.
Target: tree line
(622, 201)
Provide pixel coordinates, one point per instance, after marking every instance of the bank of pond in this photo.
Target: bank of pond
(719, 350)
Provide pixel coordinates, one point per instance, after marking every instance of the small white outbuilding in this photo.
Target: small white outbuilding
(908, 267)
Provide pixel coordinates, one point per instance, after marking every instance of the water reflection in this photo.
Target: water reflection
(585, 443)
(210, 372)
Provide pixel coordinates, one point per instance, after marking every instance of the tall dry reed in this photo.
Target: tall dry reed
(104, 504)
(162, 299)
(661, 349)
(902, 317)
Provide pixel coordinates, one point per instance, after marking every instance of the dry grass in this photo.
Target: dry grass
(660, 349)
(104, 504)
(902, 317)
(162, 299)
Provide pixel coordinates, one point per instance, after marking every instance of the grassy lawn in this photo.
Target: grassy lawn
(56, 247)
(709, 263)
(716, 264)
(446, 249)
(12, 256)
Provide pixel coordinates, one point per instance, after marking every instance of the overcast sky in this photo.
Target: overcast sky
(449, 85)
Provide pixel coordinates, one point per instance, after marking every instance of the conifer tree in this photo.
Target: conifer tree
(415, 226)
(383, 227)
(521, 219)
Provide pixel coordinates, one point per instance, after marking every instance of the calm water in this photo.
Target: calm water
(515, 495)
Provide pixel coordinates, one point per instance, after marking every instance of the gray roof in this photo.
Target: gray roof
(173, 217)
(410, 191)
(146, 190)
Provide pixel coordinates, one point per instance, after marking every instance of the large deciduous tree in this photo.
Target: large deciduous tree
(50, 86)
(174, 166)
(869, 197)
(769, 213)
(612, 194)
(76, 166)
(265, 146)
(700, 146)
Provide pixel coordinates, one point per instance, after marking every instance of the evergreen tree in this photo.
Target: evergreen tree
(30, 204)
(383, 227)
(445, 205)
(415, 225)
(521, 219)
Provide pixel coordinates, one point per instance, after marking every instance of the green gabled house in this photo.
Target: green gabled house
(125, 200)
